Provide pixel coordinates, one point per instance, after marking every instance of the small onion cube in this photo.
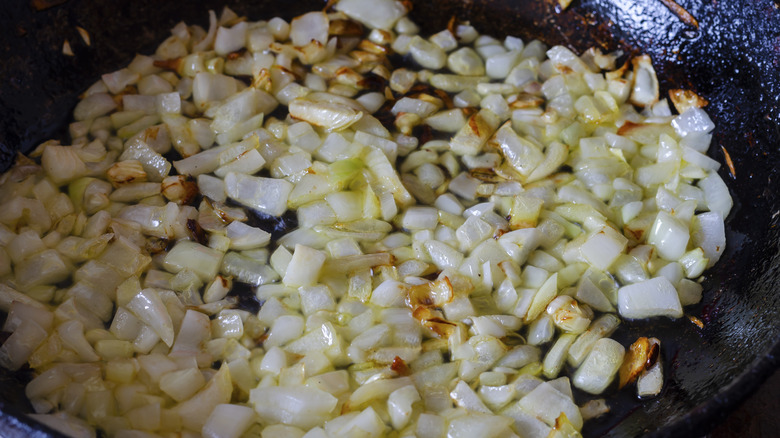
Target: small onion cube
(649, 298)
(600, 367)
(381, 14)
(547, 403)
(669, 235)
(603, 247)
(304, 267)
(332, 116)
(228, 421)
(267, 195)
(195, 257)
(147, 306)
(399, 405)
(243, 236)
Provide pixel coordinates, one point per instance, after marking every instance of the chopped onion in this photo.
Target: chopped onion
(409, 282)
(654, 297)
(300, 406)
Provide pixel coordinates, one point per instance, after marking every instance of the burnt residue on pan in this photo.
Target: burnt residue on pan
(731, 58)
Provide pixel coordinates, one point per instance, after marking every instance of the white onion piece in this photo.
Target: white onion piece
(182, 384)
(563, 58)
(381, 14)
(556, 357)
(195, 411)
(195, 330)
(654, 297)
(377, 389)
(210, 87)
(651, 380)
(243, 236)
(304, 267)
(600, 367)
(471, 138)
(16, 350)
(716, 193)
(149, 308)
(230, 39)
(693, 121)
(603, 247)
(63, 164)
(228, 421)
(465, 61)
(66, 424)
(93, 106)
(669, 235)
(208, 39)
(709, 234)
(329, 115)
(267, 195)
(645, 88)
(399, 405)
(300, 406)
(547, 403)
(522, 154)
(603, 326)
(427, 54)
(195, 257)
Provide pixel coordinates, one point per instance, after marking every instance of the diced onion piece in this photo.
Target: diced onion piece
(547, 403)
(182, 384)
(651, 380)
(195, 330)
(669, 235)
(603, 247)
(477, 130)
(230, 40)
(18, 348)
(381, 14)
(267, 195)
(649, 298)
(709, 234)
(332, 116)
(195, 257)
(93, 106)
(524, 155)
(62, 164)
(542, 297)
(556, 357)
(378, 389)
(308, 27)
(243, 236)
(692, 121)
(299, 406)
(399, 405)
(228, 421)
(600, 367)
(147, 306)
(645, 88)
(209, 87)
(304, 267)
(195, 411)
(716, 193)
(475, 424)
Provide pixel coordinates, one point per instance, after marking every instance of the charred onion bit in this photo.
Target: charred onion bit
(636, 361)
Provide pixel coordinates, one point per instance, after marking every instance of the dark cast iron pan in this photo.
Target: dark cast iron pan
(732, 58)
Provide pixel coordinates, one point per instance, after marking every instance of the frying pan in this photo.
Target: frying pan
(731, 57)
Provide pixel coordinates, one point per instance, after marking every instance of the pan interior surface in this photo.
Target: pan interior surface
(731, 58)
